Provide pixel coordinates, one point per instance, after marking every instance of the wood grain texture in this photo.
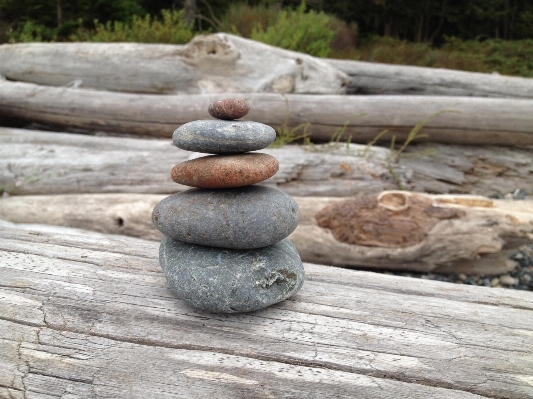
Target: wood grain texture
(36, 162)
(90, 316)
(223, 62)
(475, 235)
(375, 78)
(467, 120)
(215, 63)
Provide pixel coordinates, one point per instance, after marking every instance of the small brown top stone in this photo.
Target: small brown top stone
(229, 109)
(225, 171)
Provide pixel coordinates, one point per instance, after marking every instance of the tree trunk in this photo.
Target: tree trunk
(190, 12)
(59, 13)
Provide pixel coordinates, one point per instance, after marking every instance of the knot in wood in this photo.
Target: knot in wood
(390, 219)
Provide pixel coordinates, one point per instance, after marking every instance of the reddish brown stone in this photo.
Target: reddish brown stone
(229, 109)
(225, 171)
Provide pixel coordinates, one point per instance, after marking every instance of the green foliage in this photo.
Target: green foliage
(495, 55)
(171, 29)
(285, 134)
(30, 31)
(241, 18)
(47, 20)
(298, 30)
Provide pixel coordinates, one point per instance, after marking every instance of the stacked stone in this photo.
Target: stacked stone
(224, 248)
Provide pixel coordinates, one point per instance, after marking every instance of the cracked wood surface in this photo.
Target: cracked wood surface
(471, 235)
(85, 315)
(460, 120)
(37, 162)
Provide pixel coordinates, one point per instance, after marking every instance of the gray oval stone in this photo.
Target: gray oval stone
(223, 137)
(239, 218)
(231, 280)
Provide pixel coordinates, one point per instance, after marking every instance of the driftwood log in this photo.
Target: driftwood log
(392, 230)
(464, 120)
(91, 316)
(216, 63)
(224, 62)
(374, 78)
(54, 163)
(36, 162)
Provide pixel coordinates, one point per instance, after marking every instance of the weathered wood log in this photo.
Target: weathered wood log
(473, 120)
(217, 63)
(412, 231)
(224, 62)
(34, 162)
(375, 78)
(85, 315)
(392, 230)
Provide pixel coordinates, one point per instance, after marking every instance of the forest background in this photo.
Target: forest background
(494, 36)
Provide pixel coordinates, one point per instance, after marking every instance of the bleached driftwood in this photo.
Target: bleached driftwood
(391, 230)
(35, 162)
(375, 78)
(469, 120)
(88, 316)
(224, 62)
(215, 63)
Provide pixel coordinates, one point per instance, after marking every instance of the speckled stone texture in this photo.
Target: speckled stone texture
(238, 218)
(225, 171)
(228, 109)
(230, 281)
(223, 137)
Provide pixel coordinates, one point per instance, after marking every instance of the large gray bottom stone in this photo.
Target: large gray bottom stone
(238, 218)
(228, 280)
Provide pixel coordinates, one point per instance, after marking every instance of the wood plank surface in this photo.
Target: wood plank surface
(392, 230)
(467, 120)
(36, 162)
(84, 315)
(376, 78)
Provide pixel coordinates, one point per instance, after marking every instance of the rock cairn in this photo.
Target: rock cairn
(225, 246)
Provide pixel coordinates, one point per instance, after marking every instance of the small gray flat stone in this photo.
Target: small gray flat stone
(238, 218)
(223, 137)
(228, 280)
